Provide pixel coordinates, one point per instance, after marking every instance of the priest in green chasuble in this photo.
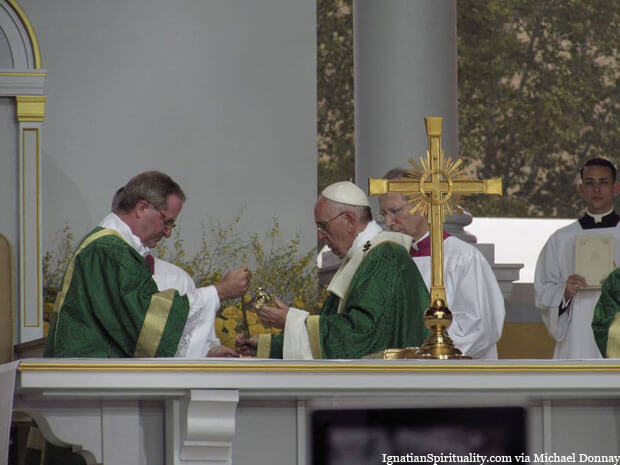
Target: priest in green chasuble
(111, 304)
(376, 299)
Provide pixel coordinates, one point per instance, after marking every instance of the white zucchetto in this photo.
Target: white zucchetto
(346, 192)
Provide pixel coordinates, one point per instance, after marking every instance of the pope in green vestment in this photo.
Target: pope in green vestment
(377, 297)
(605, 322)
(109, 305)
(383, 308)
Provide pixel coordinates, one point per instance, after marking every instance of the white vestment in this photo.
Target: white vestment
(199, 332)
(473, 295)
(572, 330)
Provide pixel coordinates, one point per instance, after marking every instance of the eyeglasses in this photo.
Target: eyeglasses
(321, 228)
(393, 212)
(168, 223)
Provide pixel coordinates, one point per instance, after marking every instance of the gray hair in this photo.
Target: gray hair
(153, 186)
(363, 213)
(397, 173)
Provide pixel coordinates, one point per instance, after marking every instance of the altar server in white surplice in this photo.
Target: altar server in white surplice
(565, 306)
(472, 291)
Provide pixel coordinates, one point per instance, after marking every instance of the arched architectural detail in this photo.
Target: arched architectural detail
(24, 81)
(21, 36)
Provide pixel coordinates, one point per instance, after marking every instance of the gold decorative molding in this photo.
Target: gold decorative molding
(30, 108)
(23, 74)
(284, 367)
(30, 30)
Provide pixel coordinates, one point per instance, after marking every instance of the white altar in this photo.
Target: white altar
(242, 411)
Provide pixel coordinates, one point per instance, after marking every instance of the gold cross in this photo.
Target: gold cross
(434, 184)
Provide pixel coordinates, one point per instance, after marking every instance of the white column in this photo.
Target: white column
(30, 115)
(405, 70)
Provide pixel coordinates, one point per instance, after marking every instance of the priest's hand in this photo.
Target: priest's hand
(273, 316)
(222, 351)
(234, 283)
(246, 346)
(573, 284)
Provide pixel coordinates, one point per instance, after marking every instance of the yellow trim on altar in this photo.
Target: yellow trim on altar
(263, 348)
(613, 338)
(314, 335)
(154, 323)
(22, 74)
(30, 30)
(326, 366)
(30, 108)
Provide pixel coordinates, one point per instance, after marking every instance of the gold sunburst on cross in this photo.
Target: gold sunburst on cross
(434, 188)
(449, 171)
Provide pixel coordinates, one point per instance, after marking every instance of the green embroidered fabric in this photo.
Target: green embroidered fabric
(605, 311)
(383, 309)
(106, 304)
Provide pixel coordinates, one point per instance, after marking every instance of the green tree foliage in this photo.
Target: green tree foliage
(538, 95)
(335, 91)
(278, 265)
(55, 262)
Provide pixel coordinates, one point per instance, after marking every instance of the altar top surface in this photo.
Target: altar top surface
(326, 366)
(293, 378)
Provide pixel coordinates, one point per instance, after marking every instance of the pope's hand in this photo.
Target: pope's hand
(234, 283)
(222, 351)
(273, 316)
(246, 346)
(573, 284)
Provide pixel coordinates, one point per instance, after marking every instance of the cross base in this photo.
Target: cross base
(394, 354)
(439, 345)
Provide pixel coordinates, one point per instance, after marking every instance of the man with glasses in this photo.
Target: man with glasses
(565, 300)
(376, 298)
(474, 297)
(112, 305)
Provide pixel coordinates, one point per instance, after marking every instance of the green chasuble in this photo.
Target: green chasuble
(606, 323)
(109, 305)
(382, 309)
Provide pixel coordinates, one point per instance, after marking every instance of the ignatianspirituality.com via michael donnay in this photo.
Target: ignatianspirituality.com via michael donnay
(475, 458)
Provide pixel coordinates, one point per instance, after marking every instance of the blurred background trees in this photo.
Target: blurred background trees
(335, 117)
(538, 95)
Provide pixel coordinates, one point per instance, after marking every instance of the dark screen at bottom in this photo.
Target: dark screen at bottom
(421, 435)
